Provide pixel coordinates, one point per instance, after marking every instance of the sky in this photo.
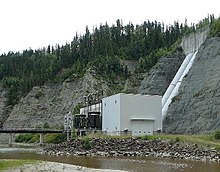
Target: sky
(37, 23)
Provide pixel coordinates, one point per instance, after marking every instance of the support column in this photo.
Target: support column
(71, 134)
(41, 138)
(10, 139)
(67, 136)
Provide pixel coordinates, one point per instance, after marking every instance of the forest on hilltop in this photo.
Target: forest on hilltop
(102, 50)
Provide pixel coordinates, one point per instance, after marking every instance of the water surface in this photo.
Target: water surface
(134, 164)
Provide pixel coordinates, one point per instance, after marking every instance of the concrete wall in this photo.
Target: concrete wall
(142, 107)
(193, 41)
(132, 112)
(111, 114)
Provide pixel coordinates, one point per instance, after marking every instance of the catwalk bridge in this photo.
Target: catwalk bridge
(12, 131)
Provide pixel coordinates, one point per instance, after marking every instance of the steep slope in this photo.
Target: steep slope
(158, 79)
(196, 108)
(49, 103)
(4, 110)
(2, 105)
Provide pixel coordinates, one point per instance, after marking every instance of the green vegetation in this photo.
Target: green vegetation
(147, 62)
(204, 22)
(55, 138)
(34, 138)
(208, 140)
(217, 135)
(6, 164)
(46, 125)
(215, 27)
(76, 109)
(27, 138)
(153, 137)
(14, 89)
(211, 140)
(101, 50)
(38, 95)
(177, 139)
(86, 142)
(147, 137)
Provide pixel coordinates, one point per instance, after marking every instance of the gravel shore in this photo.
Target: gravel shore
(56, 167)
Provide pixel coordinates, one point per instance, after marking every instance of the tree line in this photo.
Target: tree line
(102, 49)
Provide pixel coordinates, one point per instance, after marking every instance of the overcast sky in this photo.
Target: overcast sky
(38, 23)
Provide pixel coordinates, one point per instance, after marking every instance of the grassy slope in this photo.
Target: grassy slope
(6, 164)
(206, 140)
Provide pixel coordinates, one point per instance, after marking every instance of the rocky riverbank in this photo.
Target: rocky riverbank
(56, 167)
(134, 147)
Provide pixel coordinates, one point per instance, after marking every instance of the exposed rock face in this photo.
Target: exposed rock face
(4, 110)
(196, 108)
(2, 104)
(161, 75)
(51, 102)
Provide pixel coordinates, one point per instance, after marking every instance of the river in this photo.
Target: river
(133, 164)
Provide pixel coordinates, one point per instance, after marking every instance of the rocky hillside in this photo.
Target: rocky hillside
(4, 110)
(49, 103)
(160, 76)
(196, 108)
(2, 100)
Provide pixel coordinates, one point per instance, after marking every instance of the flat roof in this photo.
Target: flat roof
(143, 95)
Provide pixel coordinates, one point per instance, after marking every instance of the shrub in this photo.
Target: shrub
(38, 95)
(76, 109)
(177, 139)
(145, 137)
(86, 141)
(217, 135)
(215, 27)
(27, 138)
(46, 125)
(55, 138)
(149, 137)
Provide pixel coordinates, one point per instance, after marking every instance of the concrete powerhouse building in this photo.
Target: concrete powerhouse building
(138, 114)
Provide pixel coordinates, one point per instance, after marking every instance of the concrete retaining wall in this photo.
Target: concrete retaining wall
(193, 41)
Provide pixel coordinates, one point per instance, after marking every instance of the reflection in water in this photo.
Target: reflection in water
(134, 164)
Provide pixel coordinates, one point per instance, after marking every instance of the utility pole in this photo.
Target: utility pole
(68, 125)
